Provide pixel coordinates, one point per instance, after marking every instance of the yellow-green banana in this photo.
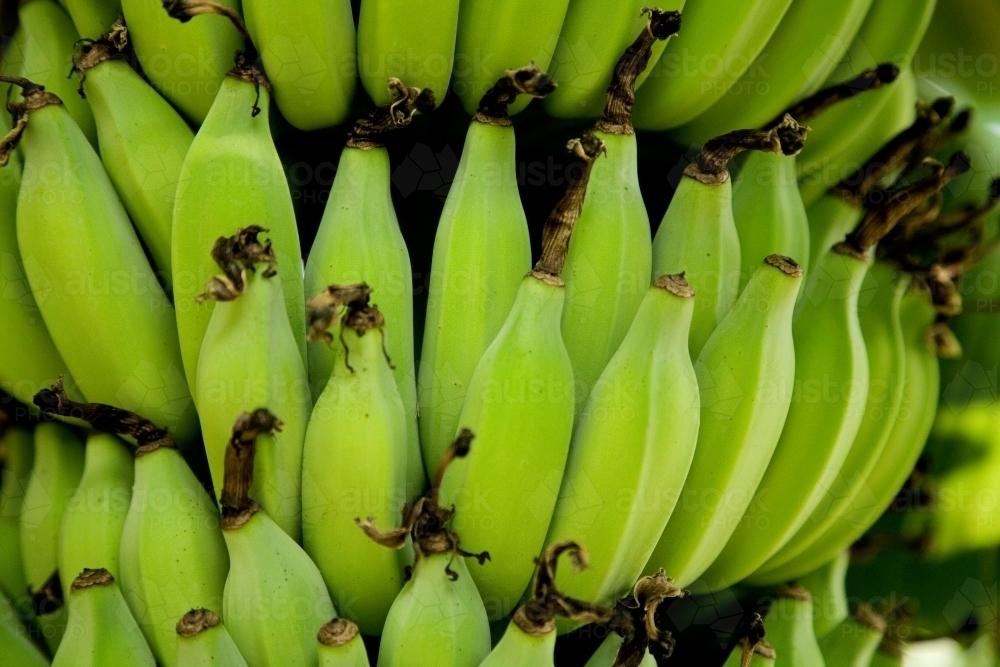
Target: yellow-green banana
(203, 641)
(354, 462)
(698, 234)
(16, 454)
(633, 447)
(340, 645)
(520, 406)
(101, 631)
(827, 585)
(93, 18)
(142, 139)
(309, 50)
(359, 241)
(790, 635)
(107, 313)
(609, 262)
(15, 645)
(745, 374)
(481, 253)
(853, 642)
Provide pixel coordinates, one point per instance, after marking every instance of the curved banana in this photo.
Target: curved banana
(827, 585)
(354, 462)
(481, 253)
(698, 234)
(101, 630)
(93, 18)
(359, 241)
(790, 637)
(142, 139)
(309, 50)
(15, 644)
(249, 359)
(610, 253)
(202, 641)
(721, 39)
(128, 352)
(340, 645)
(638, 432)
(853, 642)
(258, 548)
(17, 452)
(186, 63)
(745, 374)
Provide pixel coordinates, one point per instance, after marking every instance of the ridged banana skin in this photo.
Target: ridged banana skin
(435, 620)
(359, 241)
(883, 334)
(351, 654)
(594, 36)
(102, 633)
(213, 647)
(520, 408)
(93, 18)
(249, 359)
(270, 572)
(497, 35)
(17, 451)
(745, 374)
(789, 627)
(830, 356)
(698, 237)
(92, 526)
(42, 51)
(609, 263)
(769, 214)
(413, 40)
(827, 585)
(354, 467)
(719, 41)
(186, 62)
(17, 649)
(481, 253)
(631, 451)
(232, 177)
(850, 644)
(107, 314)
(519, 649)
(916, 416)
(308, 53)
(173, 557)
(808, 44)
(142, 142)
(830, 220)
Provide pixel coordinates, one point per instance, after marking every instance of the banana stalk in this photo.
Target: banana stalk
(16, 455)
(202, 641)
(340, 645)
(790, 638)
(93, 18)
(18, 649)
(854, 641)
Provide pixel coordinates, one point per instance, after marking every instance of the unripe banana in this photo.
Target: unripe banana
(234, 142)
(745, 374)
(354, 462)
(16, 647)
(632, 448)
(412, 40)
(359, 241)
(101, 630)
(790, 636)
(93, 18)
(698, 234)
(186, 63)
(16, 455)
(249, 359)
(78, 244)
(202, 641)
(340, 645)
(520, 406)
(142, 140)
(309, 50)
(853, 642)
(827, 585)
(610, 253)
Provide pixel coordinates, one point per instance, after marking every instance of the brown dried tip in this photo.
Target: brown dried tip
(370, 130)
(793, 592)
(635, 621)
(325, 308)
(104, 418)
(528, 80)
(786, 265)
(196, 622)
(812, 106)
(711, 166)
(35, 97)
(236, 256)
(88, 578)
(237, 507)
(943, 341)
(750, 634)
(337, 632)
(89, 53)
(676, 284)
(869, 618)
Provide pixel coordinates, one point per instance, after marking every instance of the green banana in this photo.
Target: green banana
(92, 525)
(827, 585)
(101, 630)
(801, 54)
(698, 234)
(438, 618)
(18, 650)
(309, 51)
(789, 625)
(173, 557)
(107, 313)
(142, 140)
(520, 406)
(340, 645)
(721, 39)
(481, 253)
(186, 63)
(93, 18)
(745, 374)
(354, 462)
(249, 358)
(16, 455)
(610, 253)
(359, 241)
(749, 648)
(232, 176)
(853, 642)
(632, 449)
(593, 37)
(202, 641)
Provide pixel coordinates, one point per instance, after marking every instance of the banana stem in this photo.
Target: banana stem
(89, 53)
(325, 308)
(711, 166)
(528, 80)
(751, 639)
(237, 507)
(35, 97)
(236, 255)
(635, 621)
(369, 130)
(812, 106)
(934, 141)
